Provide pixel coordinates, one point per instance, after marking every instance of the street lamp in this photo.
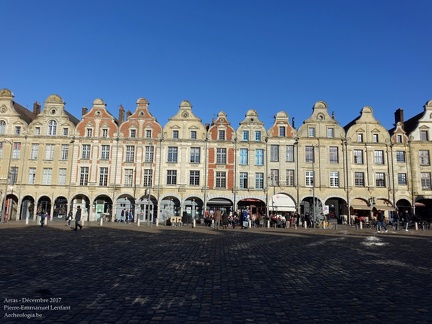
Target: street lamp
(7, 180)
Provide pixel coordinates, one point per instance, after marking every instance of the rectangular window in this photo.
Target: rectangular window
(220, 179)
(194, 178)
(274, 153)
(133, 133)
(289, 153)
(37, 131)
(402, 179)
(243, 180)
(193, 135)
(172, 154)
(311, 132)
(257, 136)
(1, 149)
(399, 138)
(259, 157)
(358, 156)
(309, 180)
(424, 157)
(31, 175)
(171, 177)
(175, 134)
(89, 132)
(379, 157)
(380, 179)
(425, 180)
(49, 152)
(259, 180)
(375, 138)
(13, 175)
(148, 133)
(148, 178)
(359, 179)
(195, 155)
(334, 179)
(16, 154)
(244, 156)
(334, 154)
(84, 176)
(309, 154)
(105, 152)
(130, 153)
(46, 176)
(34, 151)
(221, 156)
(62, 176)
(282, 131)
(85, 152)
(149, 154)
(245, 135)
(290, 178)
(274, 177)
(360, 137)
(424, 136)
(65, 131)
(221, 135)
(103, 176)
(64, 152)
(128, 177)
(17, 130)
(400, 156)
(105, 132)
(330, 132)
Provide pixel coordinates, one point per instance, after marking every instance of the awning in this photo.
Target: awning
(419, 204)
(360, 207)
(220, 202)
(384, 207)
(280, 202)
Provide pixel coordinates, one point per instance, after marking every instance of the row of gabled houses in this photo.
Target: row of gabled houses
(52, 162)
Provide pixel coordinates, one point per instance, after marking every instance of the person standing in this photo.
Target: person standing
(69, 219)
(217, 218)
(225, 220)
(78, 218)
(380, 219)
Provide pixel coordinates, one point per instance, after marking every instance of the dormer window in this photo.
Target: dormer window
(148, 133)
(89, 132)
(193, 135)
(311, 132)
(375, 138)
(133, 133)
(176, 134)
(360, 137)
(105, 132)
(282, 131)
(221, 134)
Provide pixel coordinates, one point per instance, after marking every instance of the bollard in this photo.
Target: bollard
(101, 221)
(305, 225)
(138, 222)
(335, 227)
(361, 225)
(194, 223)
(416, 226)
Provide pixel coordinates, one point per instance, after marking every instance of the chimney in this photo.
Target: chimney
(292, 122)
(84, 111)
(128, 114)
(36, 108)
(399, 116)
(121, 114)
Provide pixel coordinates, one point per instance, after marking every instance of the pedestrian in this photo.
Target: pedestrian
(69, 218)
(245, 219)
(406, 218)
(122, 214)
(42, 221)
(78, 218)
(380, 219)
(131, 216)
(225, 220)
(217, 218)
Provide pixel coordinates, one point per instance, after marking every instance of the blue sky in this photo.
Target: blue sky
(221, 55)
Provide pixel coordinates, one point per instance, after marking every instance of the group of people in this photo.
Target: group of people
(125, 216)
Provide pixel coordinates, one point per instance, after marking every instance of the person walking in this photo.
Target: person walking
(69, 218)
(380, 219)
(406, 218)
(78, 218)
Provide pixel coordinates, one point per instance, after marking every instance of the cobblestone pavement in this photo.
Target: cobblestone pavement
(122, 273)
